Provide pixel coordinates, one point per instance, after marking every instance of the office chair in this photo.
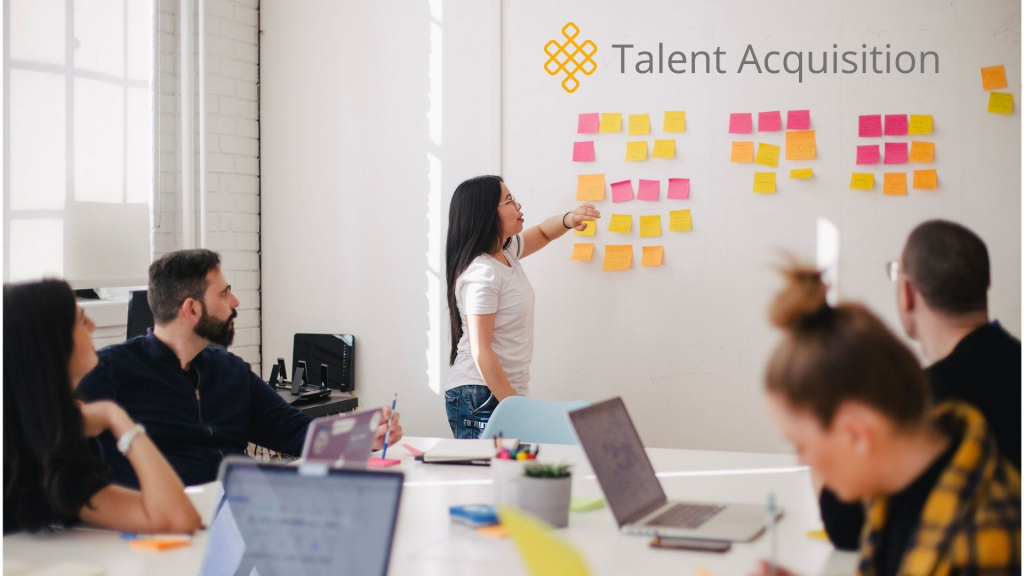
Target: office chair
(533, 420)
(140, 317)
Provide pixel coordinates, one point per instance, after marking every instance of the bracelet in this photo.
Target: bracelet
(563, 220)
(124, 443)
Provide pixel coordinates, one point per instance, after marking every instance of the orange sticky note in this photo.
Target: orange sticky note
(679, 221)
(764, 182)
(922, 151)
(496, 531)
(583, 252)
(993, 77)
(652, 255)
(617, 257)
(926, 179)
(590, 187)
(895, 184)
(159, 544)
(800, 145)
(742, 152)
(862, 181)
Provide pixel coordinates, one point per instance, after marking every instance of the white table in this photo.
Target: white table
(428, 543)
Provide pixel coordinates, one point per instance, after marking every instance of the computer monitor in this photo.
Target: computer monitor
(336, 351)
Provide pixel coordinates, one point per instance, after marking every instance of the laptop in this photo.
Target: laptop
(309, 520)
(633, 492)
(342, 440)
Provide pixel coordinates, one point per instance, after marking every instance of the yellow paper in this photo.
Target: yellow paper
(589, 230)
(993, 77)
(675, 122)
(610, 122)
(543, 553)
(742, 152)
(1000, 102)
(679, 221)
(636, 151)
(800, 145)
(620, 223)
(861, 181)
(650, 226)
(617, 257)
(926, 179)
(767, 155)
(801, 173)
(922, 151)
(920, 124)
(895, 184)
(764, 182)
(590, 187)
(664, 149)
(583, 252)
(639, 124)
(652, 255)
(818, 535)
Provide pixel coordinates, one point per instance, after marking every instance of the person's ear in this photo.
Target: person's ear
(857, 427)
(909, 295)
(192, 310)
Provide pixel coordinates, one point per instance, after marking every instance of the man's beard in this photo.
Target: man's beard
(214, 330)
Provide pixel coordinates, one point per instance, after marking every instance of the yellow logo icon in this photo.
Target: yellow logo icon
(570, 57)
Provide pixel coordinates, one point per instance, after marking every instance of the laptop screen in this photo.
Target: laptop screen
(274, 520)
(618, 458)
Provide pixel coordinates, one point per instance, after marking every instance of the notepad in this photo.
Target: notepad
(464, 450)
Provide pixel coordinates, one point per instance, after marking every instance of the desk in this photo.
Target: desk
(428, 543)
(336, 403)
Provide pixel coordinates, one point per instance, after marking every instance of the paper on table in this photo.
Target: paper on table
(920, 124)
(664, 149)
(582, 504)
(590, 187)
(583, 252)
(741, 123)
(926, 179)
(382, 462)
(993, 77)
(922, 151)
(801, 145)
(679, 221)
(742, 152)
(767, 154)
(862, 181)
(675, 122)
(678, 188)
(1000, 102)
(583, 151)
(870, 126)
(764, 182)
(611, 122)
(589, 123)
(620, 223)
(895, 153)
(617, 257)
(801, 173)
(622, 191)
(769, 121)
(544, 554)
(868, 154)
(895, 124)
(798, 120)
(591, 227)
(895, 184)
(652, 256)
(650, 226)
(639, 124)
(636, 151)
(649, 190)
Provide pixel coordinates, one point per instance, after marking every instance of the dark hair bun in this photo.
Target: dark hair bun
(802, 298)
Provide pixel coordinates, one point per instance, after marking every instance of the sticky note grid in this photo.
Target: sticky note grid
(893, 153)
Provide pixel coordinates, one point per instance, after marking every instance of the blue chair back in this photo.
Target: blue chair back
(533, 420)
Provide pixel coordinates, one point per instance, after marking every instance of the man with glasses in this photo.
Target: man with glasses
(942, 281)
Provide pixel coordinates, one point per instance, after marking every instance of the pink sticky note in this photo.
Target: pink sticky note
(742, 123)
(769, 121)
(798, 120)
(583, 151)
(678, 188)
(413, 451)
(895, 124)
(622, 191)
(589, 123)
(382, 462)
(895, 152)
(871, 126)
(649, 190)
(868, 154)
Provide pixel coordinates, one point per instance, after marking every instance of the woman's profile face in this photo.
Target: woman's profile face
(83, 353)
(509, 210)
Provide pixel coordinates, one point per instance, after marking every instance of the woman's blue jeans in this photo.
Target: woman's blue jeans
(469, 408)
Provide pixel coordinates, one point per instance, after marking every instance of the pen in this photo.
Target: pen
(387, 430)
(772, 535)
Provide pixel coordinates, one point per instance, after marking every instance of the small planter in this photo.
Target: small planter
(507, 474)
(546, 498)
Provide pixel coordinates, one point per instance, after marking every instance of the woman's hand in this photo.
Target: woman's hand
(578, 218)
(104, 415)
(394, 432)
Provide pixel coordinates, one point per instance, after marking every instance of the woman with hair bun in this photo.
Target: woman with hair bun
(853, 401)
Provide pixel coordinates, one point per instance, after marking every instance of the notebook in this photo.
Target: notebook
(447, 451)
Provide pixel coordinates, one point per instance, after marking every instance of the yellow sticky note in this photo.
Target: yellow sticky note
(675, 122)
(742, 152)
(664, 149)
(583, 252)
(590, 187)
(767, 154)
(801, 173)
(544, 554)
(895, 184)
(922, 151)
(1000, 102)
(800, 145)
(636, 151)
(652, 255)
(818, 535)
(926, 179)
(993, 77)
(620, 223)
(764, 182)
(617, 257)
(679, 221)
(920, 124)
(610, 122)
(639, 124)
(589, 230)
(861, 181)
(650, 226)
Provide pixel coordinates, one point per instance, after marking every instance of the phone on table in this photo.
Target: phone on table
(696, 544)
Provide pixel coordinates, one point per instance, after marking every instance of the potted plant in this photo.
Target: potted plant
(545, 491)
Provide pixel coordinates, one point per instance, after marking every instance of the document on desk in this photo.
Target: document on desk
(462, 450)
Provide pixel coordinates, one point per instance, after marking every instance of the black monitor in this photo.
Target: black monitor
(337, 351)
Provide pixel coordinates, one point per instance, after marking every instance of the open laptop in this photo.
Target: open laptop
(309, 520)
(342, 440)
(633, 492)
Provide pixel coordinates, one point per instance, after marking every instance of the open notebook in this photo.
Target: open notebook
(449, 451)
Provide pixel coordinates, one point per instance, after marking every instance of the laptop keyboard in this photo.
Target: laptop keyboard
(685, 515)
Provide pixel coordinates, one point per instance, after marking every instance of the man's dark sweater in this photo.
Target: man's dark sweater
(196, 417)
(983, 370)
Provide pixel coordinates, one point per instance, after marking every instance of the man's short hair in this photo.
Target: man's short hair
(177, 276)
(948, 264)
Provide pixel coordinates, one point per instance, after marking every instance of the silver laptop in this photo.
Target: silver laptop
(342, 440)
(633, 492)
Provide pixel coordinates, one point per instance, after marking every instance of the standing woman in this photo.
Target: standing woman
(53, 474)
(490, 300)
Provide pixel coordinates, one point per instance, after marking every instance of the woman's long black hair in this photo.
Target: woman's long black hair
(474, 228)
(49, 470)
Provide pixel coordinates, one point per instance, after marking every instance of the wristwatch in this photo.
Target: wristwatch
(125, 441)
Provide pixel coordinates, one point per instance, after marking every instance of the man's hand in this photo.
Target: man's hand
(394, 432)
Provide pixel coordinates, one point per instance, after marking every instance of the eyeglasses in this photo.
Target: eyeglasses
(511, 200)
(892, 270)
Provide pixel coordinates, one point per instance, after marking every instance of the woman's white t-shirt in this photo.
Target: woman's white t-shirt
(488, 286)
